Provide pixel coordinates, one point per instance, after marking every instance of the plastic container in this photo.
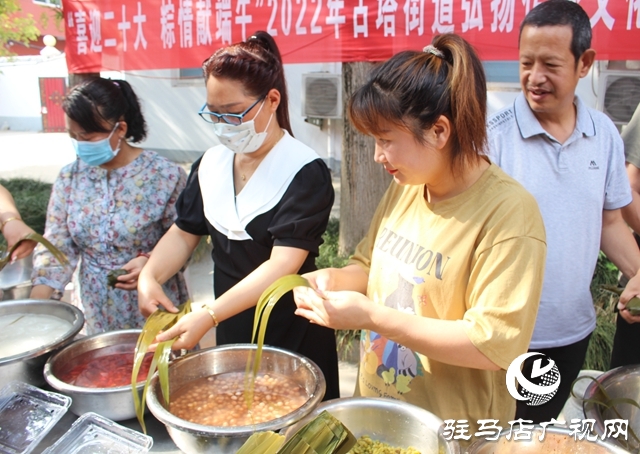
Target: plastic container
(27, 414)
(95, 434)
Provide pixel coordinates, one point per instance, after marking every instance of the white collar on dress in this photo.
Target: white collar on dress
(230, 214)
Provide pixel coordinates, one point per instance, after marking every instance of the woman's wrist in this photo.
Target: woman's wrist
(212, 314)
(4, 219)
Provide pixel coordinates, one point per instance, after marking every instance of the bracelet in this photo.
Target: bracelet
(143, 254)
(12, 218)
(212, 314)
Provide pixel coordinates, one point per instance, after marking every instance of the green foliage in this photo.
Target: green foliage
(601, 343)
(13, 27)
(330, 258)
(328, 255)
(32, 198)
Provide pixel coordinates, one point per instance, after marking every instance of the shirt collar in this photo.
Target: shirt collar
(133, 168)
(530, 126)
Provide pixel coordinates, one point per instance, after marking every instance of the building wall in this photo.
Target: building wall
(171, 105)
(20, 90)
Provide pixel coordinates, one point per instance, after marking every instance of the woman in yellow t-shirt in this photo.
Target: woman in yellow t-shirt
(446, 284)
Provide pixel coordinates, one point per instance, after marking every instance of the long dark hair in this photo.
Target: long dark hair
(413, 89)
(95, 101)
(255, 63)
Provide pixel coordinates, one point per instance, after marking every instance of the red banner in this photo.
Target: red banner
(158, 34)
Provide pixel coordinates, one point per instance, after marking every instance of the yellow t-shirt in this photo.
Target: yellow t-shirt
(477, 258)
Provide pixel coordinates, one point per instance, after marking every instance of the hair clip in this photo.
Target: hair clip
(432, 50)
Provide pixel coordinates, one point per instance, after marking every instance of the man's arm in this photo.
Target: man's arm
(617, 242)
(631, 213)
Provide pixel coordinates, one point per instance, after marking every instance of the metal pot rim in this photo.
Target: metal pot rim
(167, 418)
(76, 326)
(65, 387)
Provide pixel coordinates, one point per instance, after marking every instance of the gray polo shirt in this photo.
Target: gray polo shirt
(572, 182)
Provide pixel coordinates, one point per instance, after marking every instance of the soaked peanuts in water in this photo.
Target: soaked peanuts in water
(219, 400)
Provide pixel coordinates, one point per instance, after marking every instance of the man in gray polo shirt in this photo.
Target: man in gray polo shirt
(571, 158)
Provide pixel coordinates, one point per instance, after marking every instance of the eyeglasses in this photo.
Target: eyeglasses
(231, 119)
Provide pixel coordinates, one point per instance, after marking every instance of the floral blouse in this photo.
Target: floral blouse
(102, 219)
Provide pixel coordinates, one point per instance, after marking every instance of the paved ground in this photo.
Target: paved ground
(41, 156)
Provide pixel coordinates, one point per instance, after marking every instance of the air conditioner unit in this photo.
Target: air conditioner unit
(618, 93)
(322, 95)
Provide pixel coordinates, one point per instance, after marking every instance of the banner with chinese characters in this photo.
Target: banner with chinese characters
(159, 34)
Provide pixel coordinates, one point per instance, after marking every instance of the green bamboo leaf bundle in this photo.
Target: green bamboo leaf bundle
(160, 320)
(633, 304)
(262, 443)
(322, 435)
(60, 257)
(265, 305)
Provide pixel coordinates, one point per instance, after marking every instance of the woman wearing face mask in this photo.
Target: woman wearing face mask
(108, 209)
(262, 196)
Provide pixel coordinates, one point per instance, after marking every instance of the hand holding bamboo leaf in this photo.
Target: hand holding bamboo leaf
(60, 257)
(633, 305)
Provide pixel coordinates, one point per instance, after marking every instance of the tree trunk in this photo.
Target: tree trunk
(363, 182)
(76, 78)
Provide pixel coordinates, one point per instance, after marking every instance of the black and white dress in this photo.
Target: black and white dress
(287, 202)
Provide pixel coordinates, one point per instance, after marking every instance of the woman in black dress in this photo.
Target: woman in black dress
(263, 197)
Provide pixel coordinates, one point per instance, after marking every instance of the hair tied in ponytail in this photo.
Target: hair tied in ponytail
(432, 50)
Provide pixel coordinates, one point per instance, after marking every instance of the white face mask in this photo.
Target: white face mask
(241, 138)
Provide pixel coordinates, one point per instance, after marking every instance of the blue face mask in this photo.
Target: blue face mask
(98, 152)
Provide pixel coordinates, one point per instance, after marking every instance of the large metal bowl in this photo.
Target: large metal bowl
(114, 403)
(556, 440)
(27, 366)
(15, 280)
(621, 382)
(197, 438)
(390, 421)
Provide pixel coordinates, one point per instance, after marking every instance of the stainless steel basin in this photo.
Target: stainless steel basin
(396, 423)
(114, 403)
(15, 280)
(621, 382)
(197, 438)
(28, 366)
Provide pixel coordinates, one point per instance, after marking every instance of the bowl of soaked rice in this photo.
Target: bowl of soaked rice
(208, 410)
(30, 331)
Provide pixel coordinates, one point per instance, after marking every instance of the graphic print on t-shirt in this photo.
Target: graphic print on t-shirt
(394, 363)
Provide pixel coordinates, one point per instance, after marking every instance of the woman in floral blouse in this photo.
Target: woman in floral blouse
(108, 209)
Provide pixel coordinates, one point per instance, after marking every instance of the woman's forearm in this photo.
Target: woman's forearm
(170, 254)
(245, 294)
(41, 292)
(445, 341)
(7, 205)
(351, 277)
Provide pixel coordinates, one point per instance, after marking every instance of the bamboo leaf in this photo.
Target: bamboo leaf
(163, 368)
(266, 302)
(160, 320)
(60, 257)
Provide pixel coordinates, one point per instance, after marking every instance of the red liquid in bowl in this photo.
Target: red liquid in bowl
(107, 367)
